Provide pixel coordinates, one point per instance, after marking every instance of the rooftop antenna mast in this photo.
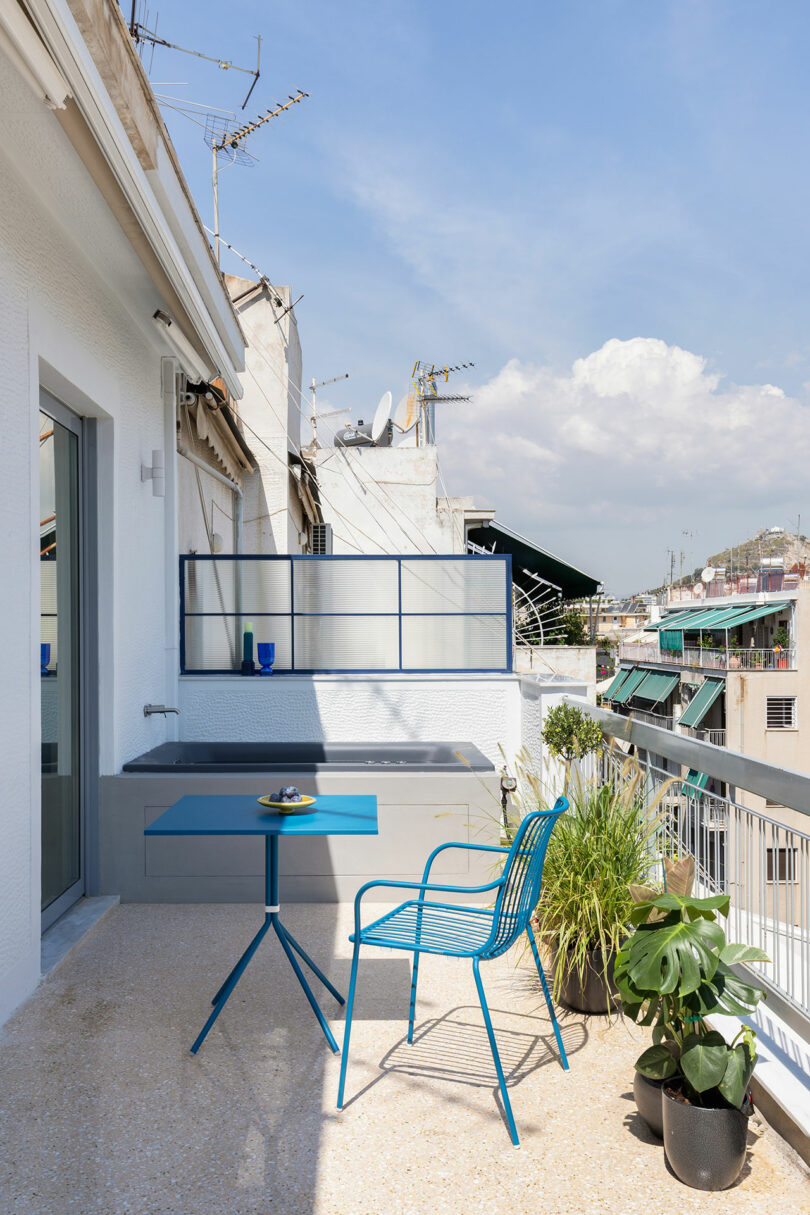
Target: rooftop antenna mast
(313, 388)
(227, 144)
(424, 377)
(141, 33)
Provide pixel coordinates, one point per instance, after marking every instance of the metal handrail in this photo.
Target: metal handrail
(760, 858)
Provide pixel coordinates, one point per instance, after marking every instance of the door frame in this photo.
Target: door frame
(86, 431)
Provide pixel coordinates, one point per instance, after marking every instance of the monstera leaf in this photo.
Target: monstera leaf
(656, 1063)
(739, 1070)
(704, 1058)
(671, 955)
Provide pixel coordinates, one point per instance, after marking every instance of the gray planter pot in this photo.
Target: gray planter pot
(648, 1102)
(705, 1148)
(595, 992)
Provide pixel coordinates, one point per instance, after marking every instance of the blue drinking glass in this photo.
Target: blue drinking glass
(44, 657)
(267, 656)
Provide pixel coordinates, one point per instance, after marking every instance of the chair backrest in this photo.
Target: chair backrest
(523, 873)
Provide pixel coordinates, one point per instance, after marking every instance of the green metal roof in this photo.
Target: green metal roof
(656, 686)
(629, 686)
(695, 783)
(617, 683)
(702, 701)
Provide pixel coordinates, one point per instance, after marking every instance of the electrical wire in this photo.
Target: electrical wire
(294, 389)
(267, 359)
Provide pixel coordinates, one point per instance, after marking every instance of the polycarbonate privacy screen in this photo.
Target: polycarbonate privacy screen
(357, 614)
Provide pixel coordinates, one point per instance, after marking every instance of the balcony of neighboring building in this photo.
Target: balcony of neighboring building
(713, 658)
(753, 635)
(660, 698)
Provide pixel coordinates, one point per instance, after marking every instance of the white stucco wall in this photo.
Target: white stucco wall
(573, 661)
(484, 710)
(202, 499)
(384, 500)
(491, 711)
(74, 316)
(271, 406)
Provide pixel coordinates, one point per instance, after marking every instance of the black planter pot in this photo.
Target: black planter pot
(705, 1147)
(648, 1102)
(595, 992)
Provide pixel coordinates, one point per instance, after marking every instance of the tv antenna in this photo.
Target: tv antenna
(227, 145)
(141, 33)
(331, 413)
(424, 377)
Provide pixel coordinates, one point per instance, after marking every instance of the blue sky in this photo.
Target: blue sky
(520, 185)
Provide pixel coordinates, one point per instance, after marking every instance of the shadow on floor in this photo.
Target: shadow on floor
(454, 1049)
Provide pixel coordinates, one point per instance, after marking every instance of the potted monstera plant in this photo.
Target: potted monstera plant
(673, 972)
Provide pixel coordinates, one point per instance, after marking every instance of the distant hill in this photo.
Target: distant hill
(766, 544)
(748, 556)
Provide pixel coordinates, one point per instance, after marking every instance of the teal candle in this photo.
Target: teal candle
(247, 643)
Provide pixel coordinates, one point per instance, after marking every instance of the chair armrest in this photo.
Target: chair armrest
(420, 886)
(468, 847)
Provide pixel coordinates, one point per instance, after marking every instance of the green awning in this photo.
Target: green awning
(757, 613)
(617, 683)
(701, 702)
(695, 783)
(629, 686)
(656, 686)
(529, 559)
(716, 617)
(712, 618)
(675, 619)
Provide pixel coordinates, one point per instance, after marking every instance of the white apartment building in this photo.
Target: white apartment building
(111, 303)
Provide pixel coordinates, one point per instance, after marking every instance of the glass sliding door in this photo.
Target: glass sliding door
(60, 658)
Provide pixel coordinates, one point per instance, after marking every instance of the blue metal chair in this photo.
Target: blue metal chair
(458, 931)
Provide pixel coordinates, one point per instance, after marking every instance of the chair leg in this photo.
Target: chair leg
(507, 1105)
(344, 1054)
(412, 1009)
(547, 994)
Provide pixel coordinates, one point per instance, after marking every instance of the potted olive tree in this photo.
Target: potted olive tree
(673, 972)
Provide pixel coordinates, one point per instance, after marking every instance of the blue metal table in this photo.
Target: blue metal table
(227, 815)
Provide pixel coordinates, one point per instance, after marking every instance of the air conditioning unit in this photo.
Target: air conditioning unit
(322, 539)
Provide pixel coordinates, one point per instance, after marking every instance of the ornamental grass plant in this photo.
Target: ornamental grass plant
(599, 849)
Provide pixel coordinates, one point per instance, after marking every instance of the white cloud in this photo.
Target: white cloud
(638, 435)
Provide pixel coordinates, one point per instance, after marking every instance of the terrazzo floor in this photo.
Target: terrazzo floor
(103, 1109)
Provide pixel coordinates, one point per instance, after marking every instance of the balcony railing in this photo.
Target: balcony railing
(716, 737)
(712, 659)
(736, 584)
(761, 860)
(653, 719)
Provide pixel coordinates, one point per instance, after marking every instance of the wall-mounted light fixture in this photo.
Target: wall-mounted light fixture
(179, 344)
(156, 474)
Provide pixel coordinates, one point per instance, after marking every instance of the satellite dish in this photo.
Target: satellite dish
(406, 414)
(708, 574)
(381, 417)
